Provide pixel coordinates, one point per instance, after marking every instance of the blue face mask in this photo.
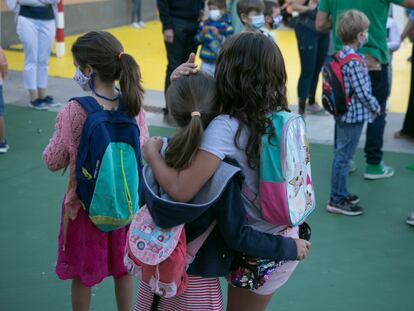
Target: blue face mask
(83, 80)
(257, 21)
(277, 20)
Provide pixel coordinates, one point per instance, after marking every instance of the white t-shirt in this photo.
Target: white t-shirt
(218, 139)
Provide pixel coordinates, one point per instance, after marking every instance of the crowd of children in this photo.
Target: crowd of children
(222, 114)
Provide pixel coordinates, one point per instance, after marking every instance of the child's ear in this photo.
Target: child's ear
(88, 70)
(268, 20)
(244, 18)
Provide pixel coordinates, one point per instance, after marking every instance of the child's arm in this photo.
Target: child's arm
(361, 85)
(56, 153)
(141, 119)
(202, 30)
(394, 37)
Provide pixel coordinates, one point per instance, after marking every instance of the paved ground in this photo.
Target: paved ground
(363, 263)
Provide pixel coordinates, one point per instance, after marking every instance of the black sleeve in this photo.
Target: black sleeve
(231, 220)
(164, 11)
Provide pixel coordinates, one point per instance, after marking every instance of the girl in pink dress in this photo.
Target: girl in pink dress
(87, 255)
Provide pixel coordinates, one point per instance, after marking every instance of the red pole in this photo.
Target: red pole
(60, 35)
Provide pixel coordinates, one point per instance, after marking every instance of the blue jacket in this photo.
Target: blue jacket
(219, 199)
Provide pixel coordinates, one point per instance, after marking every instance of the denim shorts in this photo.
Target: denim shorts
(1, 101)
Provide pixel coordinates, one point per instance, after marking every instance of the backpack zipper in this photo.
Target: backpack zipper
(126, 189)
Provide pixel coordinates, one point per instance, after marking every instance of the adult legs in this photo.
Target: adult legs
(307, 44)
(322, 51)
(136, 11)
(28, 35)
(375, 130)
(182, 46)
(81, 296)
(46, 35)
(124, 291)
(408, 125)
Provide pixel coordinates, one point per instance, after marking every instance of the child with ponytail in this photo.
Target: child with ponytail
(87, 255)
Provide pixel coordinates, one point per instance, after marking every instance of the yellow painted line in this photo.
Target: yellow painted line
(147, 46)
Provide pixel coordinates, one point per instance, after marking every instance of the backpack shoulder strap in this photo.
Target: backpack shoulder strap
(88, 103)
(350, 57)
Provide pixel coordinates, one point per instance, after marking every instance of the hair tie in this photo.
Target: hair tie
(196, 113)
(120, 54)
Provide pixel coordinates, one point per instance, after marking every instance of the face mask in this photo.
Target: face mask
(214, 15)
(364, 40)
(277, 20)
(82, 80)
(257, 21)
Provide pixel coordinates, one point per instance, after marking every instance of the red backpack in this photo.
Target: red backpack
(334, 97)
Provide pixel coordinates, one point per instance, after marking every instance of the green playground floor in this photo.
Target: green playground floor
(362, 263)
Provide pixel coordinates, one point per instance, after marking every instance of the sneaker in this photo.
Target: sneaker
(344, 207)
(135, 25)
(38, 104)
(353, 199)
(141, 24)
(378, 171)
(352, 167)
(4, 147)
(410, 219)
(314, 108)
(50, 101)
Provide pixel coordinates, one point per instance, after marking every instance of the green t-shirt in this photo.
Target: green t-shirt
(377, 13)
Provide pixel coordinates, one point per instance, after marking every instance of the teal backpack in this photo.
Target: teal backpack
(286, 194)
(108, 166)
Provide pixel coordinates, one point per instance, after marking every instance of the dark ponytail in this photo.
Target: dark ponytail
(191, 101)
(183, 146)
(104, 53)
(130, 83)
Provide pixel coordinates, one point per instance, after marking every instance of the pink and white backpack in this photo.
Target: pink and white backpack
(160, 257)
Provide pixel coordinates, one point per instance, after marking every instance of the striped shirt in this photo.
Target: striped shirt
(358, 83)
(202, 294)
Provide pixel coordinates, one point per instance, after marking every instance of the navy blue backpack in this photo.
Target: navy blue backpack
(108, 165)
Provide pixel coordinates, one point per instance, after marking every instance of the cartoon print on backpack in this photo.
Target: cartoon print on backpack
(297, 181)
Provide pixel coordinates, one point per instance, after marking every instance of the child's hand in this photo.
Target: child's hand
(377, 113)
(168, 35)
(152, 148)
(185, 69)
(302, 247)
(215, 31)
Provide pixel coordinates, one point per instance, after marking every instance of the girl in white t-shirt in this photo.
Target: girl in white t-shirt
(251, 83)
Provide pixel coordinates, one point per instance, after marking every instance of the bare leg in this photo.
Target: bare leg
(240, 299)
(1, 129)
(33, 95)
(81, 296)
(42, 93)
(124, 291)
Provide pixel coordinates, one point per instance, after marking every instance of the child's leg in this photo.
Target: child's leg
(240, 299)
(81, 296)
(347, 138)
(124, 289)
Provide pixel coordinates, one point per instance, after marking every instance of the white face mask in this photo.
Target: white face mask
(214, 15)
(257, 21)
(277, 20)
(364, 40)
(82, 80)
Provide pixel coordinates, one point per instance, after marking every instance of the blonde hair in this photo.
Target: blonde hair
(350, 24)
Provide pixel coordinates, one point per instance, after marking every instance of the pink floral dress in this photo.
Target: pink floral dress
(84, 252)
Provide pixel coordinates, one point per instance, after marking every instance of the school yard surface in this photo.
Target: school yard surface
(356, 263)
